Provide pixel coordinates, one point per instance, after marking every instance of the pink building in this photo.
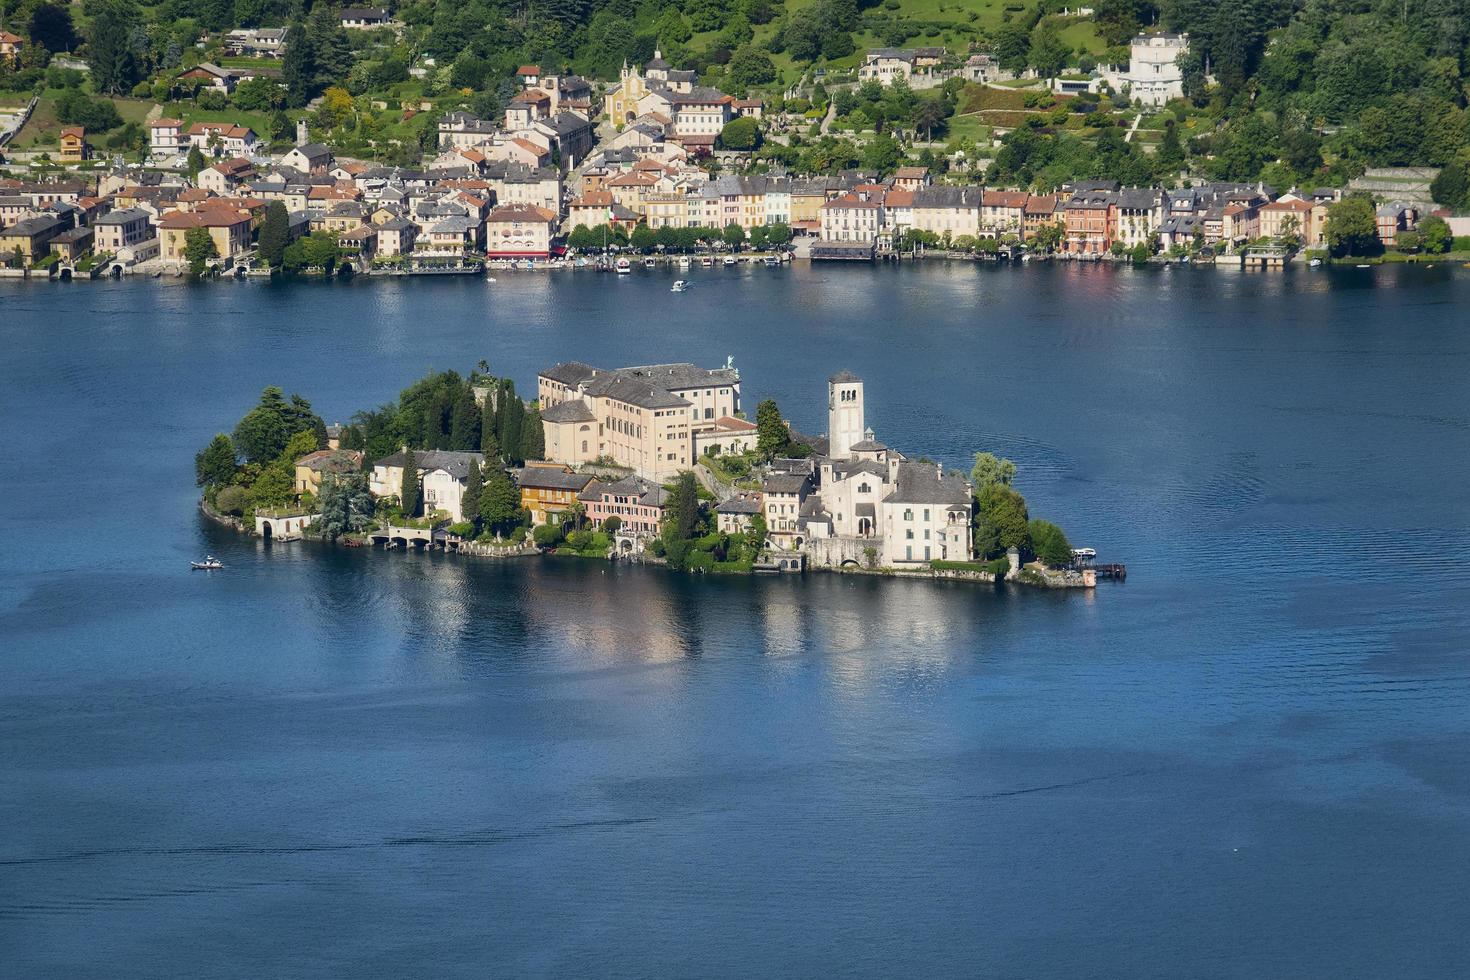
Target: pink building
(637, 502)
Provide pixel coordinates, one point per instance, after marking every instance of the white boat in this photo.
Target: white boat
(1084, 552)
(771, 261)
(1364, 265)
(679, 286)
(208, 564)
(729, 260)
(706, 262)
(489, 278)
(1314, 263)
(624, 267)
(683, 262)
(649, 263)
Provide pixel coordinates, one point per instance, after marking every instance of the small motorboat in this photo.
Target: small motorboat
(729, 260)
(624, 267)
(649, 263)
(1364, 265)
(1088, 553)
(210, 563)
(679, 286)
(490, 279)
(772, 261)
(708, 262)
(1314, 263)
(683, 262)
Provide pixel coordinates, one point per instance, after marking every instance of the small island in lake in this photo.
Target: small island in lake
(655, 463)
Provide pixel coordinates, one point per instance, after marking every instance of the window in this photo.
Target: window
(864, 488)
(908, 514)
(926, 513)
(909, 534)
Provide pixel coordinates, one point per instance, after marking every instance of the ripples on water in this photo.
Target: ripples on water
(323, 762)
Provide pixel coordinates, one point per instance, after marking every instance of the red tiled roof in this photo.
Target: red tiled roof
(1003, 199)
(529, 70)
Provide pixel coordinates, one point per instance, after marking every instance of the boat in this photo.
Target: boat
(772, 261)
(208, 564)
(679, 286)
(729, 260)
(489, 278)
(1364, 265)
(683, 262)
(708, 262)
(1314, 263)
(624, 267)
(1084, 552)
(649, 263)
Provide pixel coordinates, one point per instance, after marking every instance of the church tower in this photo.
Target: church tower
(844, 414)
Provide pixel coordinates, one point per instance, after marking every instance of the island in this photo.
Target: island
(653, 463)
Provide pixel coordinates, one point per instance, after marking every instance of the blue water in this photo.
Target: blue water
(1252, 759)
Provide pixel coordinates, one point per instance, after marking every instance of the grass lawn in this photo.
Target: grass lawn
(191, 113)
(969, 127)
(44, 129)
(1082, 36)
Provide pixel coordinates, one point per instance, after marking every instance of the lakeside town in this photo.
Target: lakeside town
(654, 166)
(654, 463)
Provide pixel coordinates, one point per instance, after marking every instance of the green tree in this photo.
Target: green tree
(474, 487)
(464, 421)
(771, 434)
(500, 503)
(1002, 521)
(1049, 53)
(643, 238)
(741, 133)
(194, 162)
(345, 504)
(681, 520)
(273, 487)
(300, 444)
(198, 250)
(408, 496)
(1352, 226)
(1436, 233)
(1049, 543)
(275, 234)
(533, 435)
(215, 464)
(114, 67)
(1451, 186)
(733, 235)
(989, 470)
(778, 234)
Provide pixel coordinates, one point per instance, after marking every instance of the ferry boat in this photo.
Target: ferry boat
(624, 267)
(1084, 553)
(679, 286)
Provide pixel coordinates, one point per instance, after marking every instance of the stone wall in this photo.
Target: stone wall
(835, 552)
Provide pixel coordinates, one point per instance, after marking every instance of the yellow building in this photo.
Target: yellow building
(74, 145)
(228, 227)
(622, 102)
(549, 490)
(313, 466)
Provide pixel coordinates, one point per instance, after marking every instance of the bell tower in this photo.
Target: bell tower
(845, 426)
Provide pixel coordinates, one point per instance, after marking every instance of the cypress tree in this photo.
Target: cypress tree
(275, 232)
(510, 433)
(533, 437)
(464, 421)
(409, 498)
(499, 502)
(469, 504)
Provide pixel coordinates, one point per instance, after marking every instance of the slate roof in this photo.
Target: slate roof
(574, 410)
(569, 373)
(785, 482)
(456, 464)
(649, 494)
(868, 446)
(550, 478)
(739, 505)
(843, 377)
(921, 483)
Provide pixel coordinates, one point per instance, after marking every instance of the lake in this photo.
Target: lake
(1252, 759)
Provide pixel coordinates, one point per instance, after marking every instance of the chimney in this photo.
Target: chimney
(940, 468)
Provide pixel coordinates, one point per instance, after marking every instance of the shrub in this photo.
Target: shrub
(548, 535)
(1049, 543)
(612, 524)
(656, 547)
(578, 540)
(700, 561)
(463, 529)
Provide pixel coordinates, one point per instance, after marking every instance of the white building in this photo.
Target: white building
(1153, 76)
(442, 478)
